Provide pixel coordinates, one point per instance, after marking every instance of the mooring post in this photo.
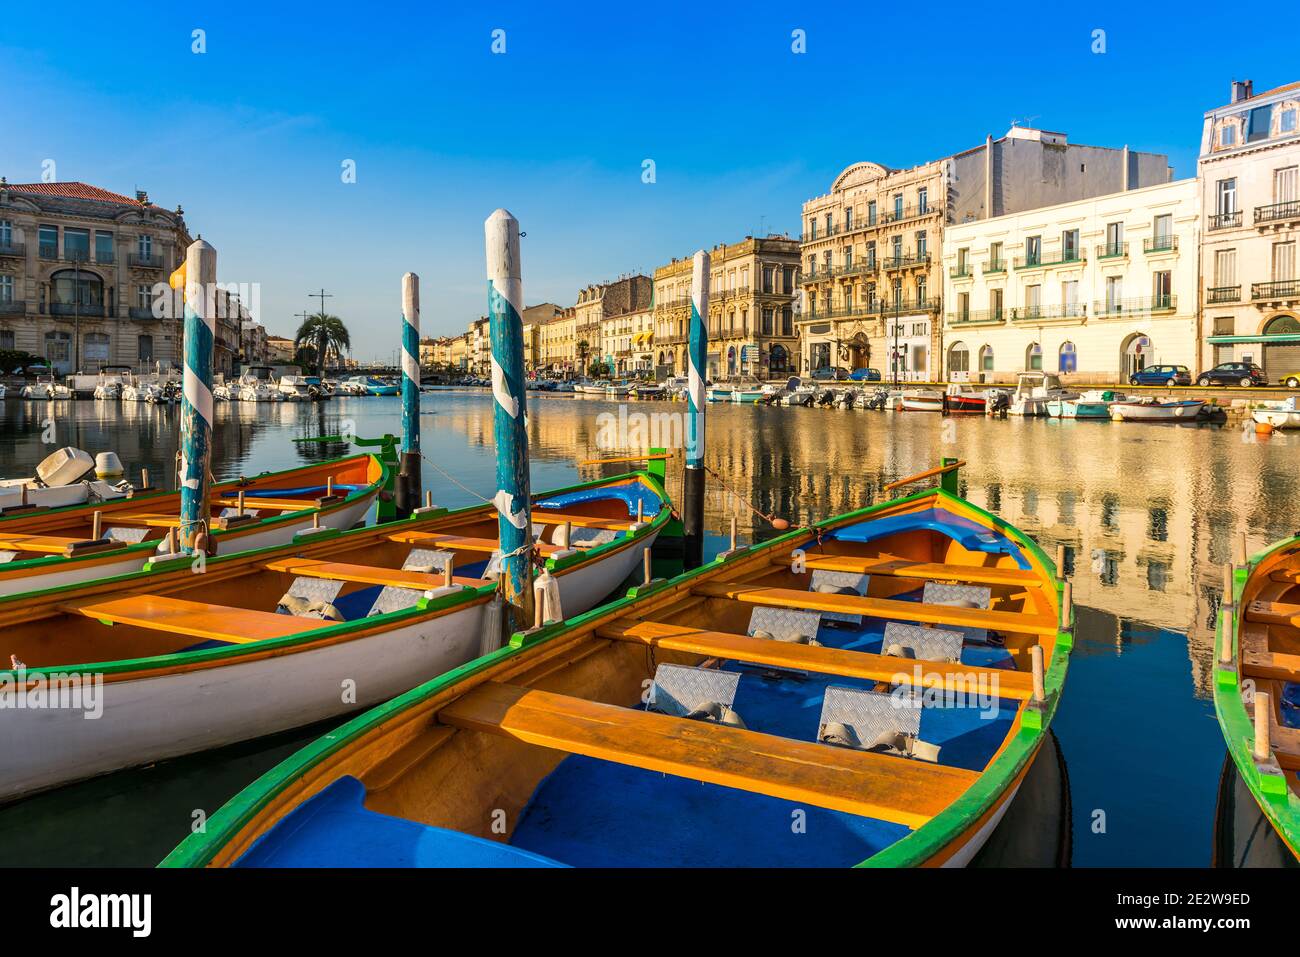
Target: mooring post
(513, 498)
(408, 481)
(196, 394)
(697, 360)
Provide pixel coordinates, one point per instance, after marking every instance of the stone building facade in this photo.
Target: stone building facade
(753, 286)
(78, 267)
(600, 302)
(1249, 174)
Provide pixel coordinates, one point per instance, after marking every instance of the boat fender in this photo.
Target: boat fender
(829, 589)
(840, 735)
(716, 713)
(290, 604)
(546, 595)
(900, 651)
(494, 626)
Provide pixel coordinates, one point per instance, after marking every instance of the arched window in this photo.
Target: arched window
(958, 359)
(1282, 326)
(986, 359)
(1034, 357)
(1137, 351)
(1068, 358)
(76, 292)
(778, 360)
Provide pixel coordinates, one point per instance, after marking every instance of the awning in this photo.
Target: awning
(1279, 339)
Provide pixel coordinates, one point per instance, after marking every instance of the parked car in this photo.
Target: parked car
(1290, 379)
(833, 373)
(865, 375)
(1162, 375)
(1244, 374)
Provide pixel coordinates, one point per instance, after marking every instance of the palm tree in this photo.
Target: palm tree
(325, 334)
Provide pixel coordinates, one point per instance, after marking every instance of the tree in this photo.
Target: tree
(325, 335)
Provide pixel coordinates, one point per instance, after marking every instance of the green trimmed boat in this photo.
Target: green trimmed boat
(871, 690)
(1257, 702)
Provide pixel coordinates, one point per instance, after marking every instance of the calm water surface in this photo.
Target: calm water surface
(1147, 512)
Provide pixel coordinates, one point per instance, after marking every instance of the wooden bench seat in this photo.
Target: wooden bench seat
(460, 542)
(1273, 613)
(182, 617)
(887, 608)
(45, 544)
(366, 574)
(259, 503)
(922, 571)
(873, 785)
(148, 519)
(831, 661)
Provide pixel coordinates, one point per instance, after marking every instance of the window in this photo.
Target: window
(95, 349)
(144, 349)
(871, 212)
(6, 234)
(920, 289)
(1227, 196)
(1164, 229)
(6, 339)
(58, 348)
(920, 244)
(986, 359)
(787, 321)
(871, 254)
(812, 229)
(1114, 239)
(922, 199)
(995, 255)
(829, 224)
(76, 244)
(767, 321)
(1033, 250)
(898, 291)
(963, 306)
(897, 248)
(1034, 358)
(1259, 123)
(898, 205)
(767, 279)
(1284, 185)
(1114, 292)
(1283, 261)
(848, 217)
(142, 298)
(963, 255)
(788, 275)
(1228, 135)
(848, 257)
(1162, 288)
(1286, 122)
(6, 289)
(995, 303)
(1070, 297)
(1070, 245)
(1067, 358)
(49, 241)
(1033, 301)
(144, 245)
(103, 247)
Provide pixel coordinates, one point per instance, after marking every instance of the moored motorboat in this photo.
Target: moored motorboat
(1280, 415)
(282, 637)
(1152, 409)
(1093, 404)
(57, 544)
(680, 726)
(111, 381)
(718, 393)
(46, 387)
(960, 397)
(1032, 393)
(922, 400)
(1257, 683)
(592, 388)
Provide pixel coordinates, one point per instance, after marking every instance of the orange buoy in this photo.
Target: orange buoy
(1263, 428)
(780, 524)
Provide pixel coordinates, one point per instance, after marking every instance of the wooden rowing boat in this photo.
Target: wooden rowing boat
(1257, 681)
(53, 547)
(182, 658)
(692, 723)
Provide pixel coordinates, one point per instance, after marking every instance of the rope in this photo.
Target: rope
(770, 519)
(439, 469)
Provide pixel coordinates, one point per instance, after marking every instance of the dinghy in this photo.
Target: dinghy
(1257, 681)
(1151, 409)
(810, 701)
(117, 531)
(1280, 415)
(922, 400)
(171, 662)
(1093, 404)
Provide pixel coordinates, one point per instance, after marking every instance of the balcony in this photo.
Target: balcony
(976, 317)
(13, 250)
(906, 262)
(1160, 244)
(1066, 310)
(1219, 294)
(47, 251)
(1225, 220)
(105, 258)
(1039, 262)
(911, 212)
(1112, 251)
(960, 272)
(151, 261)
(1279, 213)
(141, 312)
(1282, 290)
(1145, 305)
(995, 266)
(75, 310)
(14, 307)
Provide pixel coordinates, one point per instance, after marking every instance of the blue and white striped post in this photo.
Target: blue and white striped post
(697, 361)
(513, 498)
(196, 394)
(408, 481)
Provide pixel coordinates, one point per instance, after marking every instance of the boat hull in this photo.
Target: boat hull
(921, 404)
(1078, 409)
(230, 702)
(1278, 418)
(1153, 412)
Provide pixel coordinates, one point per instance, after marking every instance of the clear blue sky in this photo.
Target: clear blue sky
(250, 136)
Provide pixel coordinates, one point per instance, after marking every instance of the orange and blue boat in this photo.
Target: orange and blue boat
(44, 548)
(870, 690)
(187, 655)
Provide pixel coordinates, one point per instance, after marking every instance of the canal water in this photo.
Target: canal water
(1147, 513)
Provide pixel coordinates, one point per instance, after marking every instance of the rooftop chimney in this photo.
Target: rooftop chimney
(142, 197)
(1242, 90)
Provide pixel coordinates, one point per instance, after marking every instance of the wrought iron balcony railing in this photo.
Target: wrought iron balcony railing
(1276, 290)
(14, 250)
(1042, 262)
(13, 307)
(1066, 310)
(1144, 304)
(1224, 220)
(976, 316)
(907, 261)
(1160, 244)
(1217, 294)
(1278, 212)
(150, 261)
(995, 266)
(960, 272)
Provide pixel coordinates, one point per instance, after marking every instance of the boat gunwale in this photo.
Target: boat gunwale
(34, 567)
(254, 810)
(1235, 723)
(329, 633)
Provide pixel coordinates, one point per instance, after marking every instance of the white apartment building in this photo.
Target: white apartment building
(1250, 193)
(1094, 289)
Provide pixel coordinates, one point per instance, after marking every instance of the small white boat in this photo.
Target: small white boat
(922, 400)
(656, 391)
(1033, 391)
(1093, 404)
(357, 385)
(718, 393)
(300, 388)
(223, 392)
(618, 390)
(592, 388)
(746, 392)
(45, 387)
(112, 379)
(960, 397)
(1280, 415)
(1152, 409)
(62, 479)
